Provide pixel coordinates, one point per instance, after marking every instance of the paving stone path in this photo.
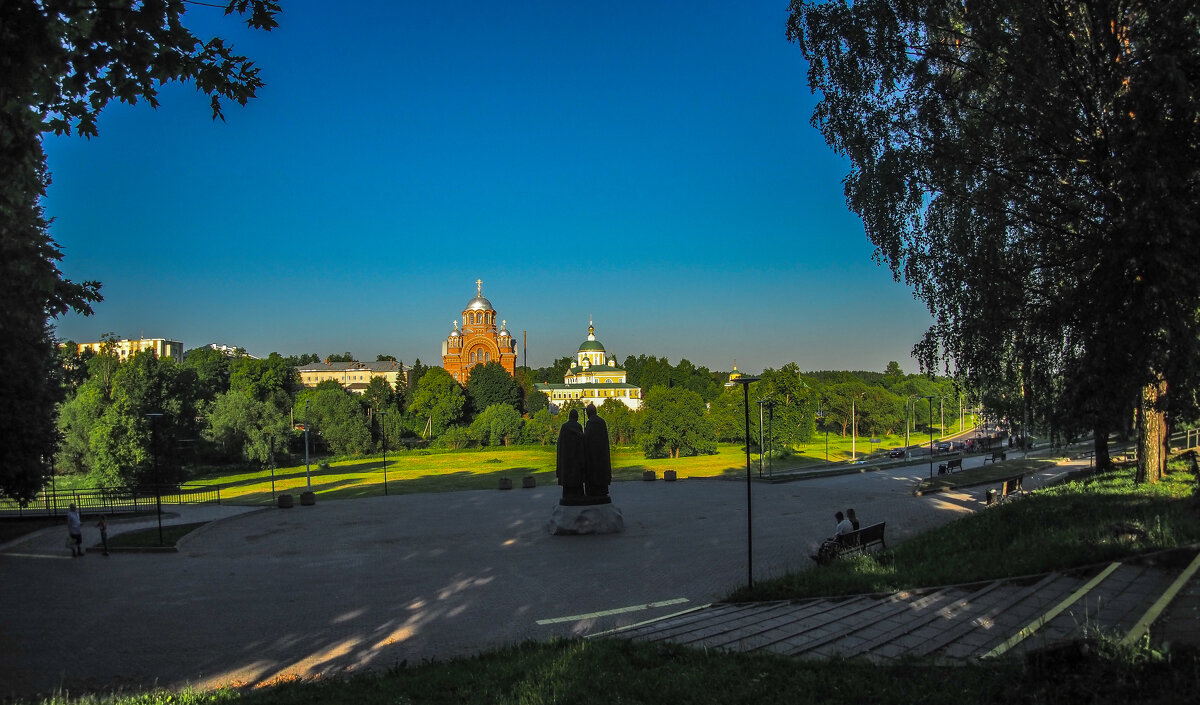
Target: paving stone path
(1125, 601)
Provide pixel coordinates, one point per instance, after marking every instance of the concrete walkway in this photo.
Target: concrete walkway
(345, 585)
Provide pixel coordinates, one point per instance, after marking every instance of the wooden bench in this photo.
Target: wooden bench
(951, 466)
(853, 543)
(1012, 488)
(997, 455)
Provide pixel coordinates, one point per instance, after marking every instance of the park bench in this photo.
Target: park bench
(1012, 488)
(853, 543)
(950, 466)
(997, 455)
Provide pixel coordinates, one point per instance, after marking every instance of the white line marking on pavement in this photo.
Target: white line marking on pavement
(619, 610)
(34, 555)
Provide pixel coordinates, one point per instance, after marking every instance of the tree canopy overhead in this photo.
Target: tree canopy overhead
(63, 62)
(1030, 168)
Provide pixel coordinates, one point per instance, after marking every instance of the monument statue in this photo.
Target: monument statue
(585, 472)
(598, 473)
(570, 464)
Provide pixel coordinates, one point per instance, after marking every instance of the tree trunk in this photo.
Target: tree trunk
(1150, 429)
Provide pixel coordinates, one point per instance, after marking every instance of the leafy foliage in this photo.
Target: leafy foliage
(1030, 169)
(335, 417)
(673, 422)
(63, 62)
(499, 424)
(491, 384)
(438, 401)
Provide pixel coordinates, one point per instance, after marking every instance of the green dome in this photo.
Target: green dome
(590, 346)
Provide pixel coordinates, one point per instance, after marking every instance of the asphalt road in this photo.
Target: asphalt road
(362, 583)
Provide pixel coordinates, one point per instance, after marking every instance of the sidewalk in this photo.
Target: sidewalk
(51, 541)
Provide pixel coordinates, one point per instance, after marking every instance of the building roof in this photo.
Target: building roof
(542, 386)
(593, 369)
(382, 366)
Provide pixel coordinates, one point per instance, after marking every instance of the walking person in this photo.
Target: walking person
(102, 525)
(74, 531)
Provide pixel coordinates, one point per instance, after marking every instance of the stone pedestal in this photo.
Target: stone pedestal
(585, 519)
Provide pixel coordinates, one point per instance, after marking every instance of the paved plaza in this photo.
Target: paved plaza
(265, 594)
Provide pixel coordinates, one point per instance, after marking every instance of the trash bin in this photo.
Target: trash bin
(991, 496)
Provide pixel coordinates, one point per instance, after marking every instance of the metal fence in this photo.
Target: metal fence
(112, 500)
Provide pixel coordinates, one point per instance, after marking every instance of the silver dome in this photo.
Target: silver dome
(479, 304)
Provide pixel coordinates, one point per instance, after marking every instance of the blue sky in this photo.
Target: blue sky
(650, 165)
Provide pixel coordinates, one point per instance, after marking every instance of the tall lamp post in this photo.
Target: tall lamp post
(745, 382)
(930, 398)
(154, 416)
(821, 415)
(307, 477)
(383, 437)
(771, 437)
(907, 422)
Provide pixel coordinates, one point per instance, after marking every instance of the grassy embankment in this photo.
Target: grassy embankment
(1056, 528)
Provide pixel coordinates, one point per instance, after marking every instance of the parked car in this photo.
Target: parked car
(945, 447)
(896, 453)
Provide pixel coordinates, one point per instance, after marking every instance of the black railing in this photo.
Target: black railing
(112, 500)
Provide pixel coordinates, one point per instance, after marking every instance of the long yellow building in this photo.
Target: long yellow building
(354, 376)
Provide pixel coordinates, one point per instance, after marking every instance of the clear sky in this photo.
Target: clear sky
(648, 164)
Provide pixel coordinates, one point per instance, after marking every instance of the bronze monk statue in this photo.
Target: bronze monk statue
(570, 464)
(598, 474)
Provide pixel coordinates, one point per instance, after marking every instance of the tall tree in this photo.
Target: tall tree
(437, 404)
(1031, 169)
(212, 371)
(63, 62)
(673, 423)
(144, 434)
(491, 384)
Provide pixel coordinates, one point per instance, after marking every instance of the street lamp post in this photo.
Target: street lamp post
(771, 437)
(853, 432)
(930, 398)
(745, 382)
(383, 437)
(157, 482)
(908, 421)
(307, 477)
(760, 436)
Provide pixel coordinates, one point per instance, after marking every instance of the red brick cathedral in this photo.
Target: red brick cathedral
(479, 342)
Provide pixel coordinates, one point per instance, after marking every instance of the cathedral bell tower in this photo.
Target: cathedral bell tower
(479, 342)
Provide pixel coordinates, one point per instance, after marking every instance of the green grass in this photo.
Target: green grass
(437, 470)
(412, 472)
(1055, 528)
(148, 538)
(605, 672)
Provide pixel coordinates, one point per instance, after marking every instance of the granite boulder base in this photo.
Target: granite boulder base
(570, 520)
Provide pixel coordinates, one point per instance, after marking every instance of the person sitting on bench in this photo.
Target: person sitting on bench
(829, 546)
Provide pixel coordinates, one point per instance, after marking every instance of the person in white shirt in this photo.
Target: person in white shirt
(829, 547)
(75, 531)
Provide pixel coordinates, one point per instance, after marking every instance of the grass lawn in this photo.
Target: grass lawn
(436, 470)
(447, 471)
(148, 538)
